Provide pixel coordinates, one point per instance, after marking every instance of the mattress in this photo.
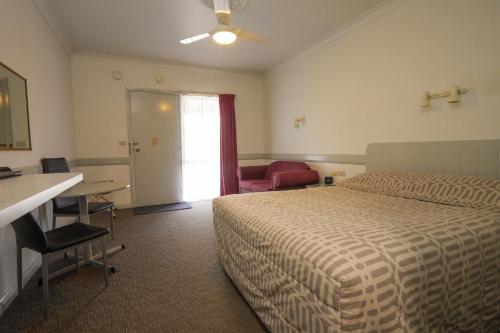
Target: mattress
(351, 259)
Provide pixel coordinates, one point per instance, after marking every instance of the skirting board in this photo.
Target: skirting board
(11, 293)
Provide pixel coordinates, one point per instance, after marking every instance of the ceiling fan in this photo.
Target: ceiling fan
(224, 33)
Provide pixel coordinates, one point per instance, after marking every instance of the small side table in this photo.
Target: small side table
(319, 185)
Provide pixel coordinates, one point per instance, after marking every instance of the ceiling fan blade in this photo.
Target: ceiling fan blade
(194, 38)
(249, 36)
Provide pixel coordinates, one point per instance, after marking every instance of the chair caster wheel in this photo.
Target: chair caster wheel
(112, 270)
(123, 246)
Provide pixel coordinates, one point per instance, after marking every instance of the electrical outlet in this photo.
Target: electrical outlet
(122, 143)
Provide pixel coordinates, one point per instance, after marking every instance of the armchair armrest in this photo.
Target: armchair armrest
(297, 178)
(251, 172)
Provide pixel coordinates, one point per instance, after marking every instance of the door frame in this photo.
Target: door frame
(129, 134)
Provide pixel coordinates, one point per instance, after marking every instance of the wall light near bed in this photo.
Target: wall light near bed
(453, 95)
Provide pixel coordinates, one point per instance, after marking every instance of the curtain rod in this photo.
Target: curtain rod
(174, 92)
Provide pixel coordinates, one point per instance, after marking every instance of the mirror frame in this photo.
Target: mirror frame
(27, 111)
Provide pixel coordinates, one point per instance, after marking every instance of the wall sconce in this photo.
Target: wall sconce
(453, 95)
(299, 121)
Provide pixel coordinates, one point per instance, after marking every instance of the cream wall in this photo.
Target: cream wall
(101, 105)
(364, 84)
(31, 48)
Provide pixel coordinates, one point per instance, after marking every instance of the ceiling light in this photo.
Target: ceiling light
(224, 37)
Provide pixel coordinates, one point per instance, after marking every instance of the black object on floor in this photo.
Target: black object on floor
(161, 208)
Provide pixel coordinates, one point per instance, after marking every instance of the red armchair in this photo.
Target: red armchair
(279, 175)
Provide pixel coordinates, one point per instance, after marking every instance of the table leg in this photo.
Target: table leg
(84, 218)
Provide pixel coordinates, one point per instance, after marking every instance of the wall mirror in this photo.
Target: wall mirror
(14, 119)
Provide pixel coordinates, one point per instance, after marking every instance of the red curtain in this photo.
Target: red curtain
(228, 149)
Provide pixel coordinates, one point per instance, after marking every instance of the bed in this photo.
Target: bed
(399, 249)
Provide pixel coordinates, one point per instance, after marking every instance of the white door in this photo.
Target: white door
(156, 148)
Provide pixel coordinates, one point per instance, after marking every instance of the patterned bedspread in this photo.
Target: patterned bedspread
(338, 259)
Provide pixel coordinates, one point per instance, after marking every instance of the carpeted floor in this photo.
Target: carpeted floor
(169, 280)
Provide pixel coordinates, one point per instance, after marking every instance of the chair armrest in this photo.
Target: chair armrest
(251, 172)
(297, 178)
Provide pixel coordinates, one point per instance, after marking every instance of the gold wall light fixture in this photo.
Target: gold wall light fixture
(453, 95)
(299, 121)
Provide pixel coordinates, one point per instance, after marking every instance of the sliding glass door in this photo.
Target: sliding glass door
(200, 128)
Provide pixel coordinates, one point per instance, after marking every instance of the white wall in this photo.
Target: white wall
(365, 85)
(101, 104)
(30, 48)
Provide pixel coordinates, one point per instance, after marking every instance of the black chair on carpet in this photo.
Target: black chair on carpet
(30, 235)
(70, 206)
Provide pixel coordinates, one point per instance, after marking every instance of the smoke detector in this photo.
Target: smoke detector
(234, 4)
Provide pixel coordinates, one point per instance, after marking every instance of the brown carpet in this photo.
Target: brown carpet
(169, 280)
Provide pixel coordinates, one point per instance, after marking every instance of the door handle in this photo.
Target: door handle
(131, 148)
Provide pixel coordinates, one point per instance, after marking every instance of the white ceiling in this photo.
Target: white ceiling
(152, 29)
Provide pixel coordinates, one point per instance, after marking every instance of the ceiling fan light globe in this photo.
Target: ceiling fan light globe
(224, 37)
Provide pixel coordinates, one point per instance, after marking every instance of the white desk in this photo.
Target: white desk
(20, 195)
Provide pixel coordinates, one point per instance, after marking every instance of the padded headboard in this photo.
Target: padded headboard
(471, 158)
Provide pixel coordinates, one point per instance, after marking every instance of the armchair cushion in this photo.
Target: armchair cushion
(262, 187)
(294, 179)
(248, 184)
(278, 166)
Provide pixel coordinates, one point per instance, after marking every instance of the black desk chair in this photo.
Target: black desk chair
(70, 206)
(30, 235)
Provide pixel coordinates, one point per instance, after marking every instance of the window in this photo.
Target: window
(200, 123)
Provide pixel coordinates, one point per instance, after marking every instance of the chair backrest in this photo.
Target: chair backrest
(29, 234)
(58, 165)
(55, 165)
(278, 166)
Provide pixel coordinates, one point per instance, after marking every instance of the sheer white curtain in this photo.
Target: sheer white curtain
(200, 122)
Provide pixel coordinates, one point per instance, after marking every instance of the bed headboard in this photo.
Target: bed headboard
(471, 158)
